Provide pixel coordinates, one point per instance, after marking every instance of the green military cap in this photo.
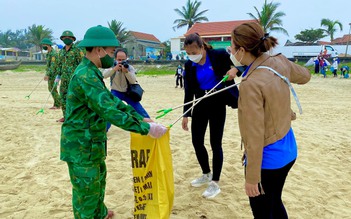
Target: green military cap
(67, 33)
(46, 41)
(99, 36)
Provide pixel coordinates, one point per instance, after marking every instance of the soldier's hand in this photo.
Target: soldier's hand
(46, 78)
(156, 130)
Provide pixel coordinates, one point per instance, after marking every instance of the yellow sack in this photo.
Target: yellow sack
(152, 176)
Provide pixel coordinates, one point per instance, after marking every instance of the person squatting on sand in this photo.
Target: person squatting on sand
(205, 68)
(51, 74)
(83, 136)
(264, 113)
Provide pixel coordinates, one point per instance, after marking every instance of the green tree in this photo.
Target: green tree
(310, 36)
(6, 39)
(330, 27)
(20, 39)
(269, 18)
(189, 15)
(166, 47)
(37, 33)
(121, 33)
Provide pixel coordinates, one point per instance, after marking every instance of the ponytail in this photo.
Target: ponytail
(252, 38)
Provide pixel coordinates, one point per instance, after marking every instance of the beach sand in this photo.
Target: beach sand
(35, 183)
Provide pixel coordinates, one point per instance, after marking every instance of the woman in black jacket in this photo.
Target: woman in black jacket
(205, 68)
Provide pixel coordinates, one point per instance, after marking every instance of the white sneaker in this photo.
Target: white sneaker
(204, 179)
(212, 190)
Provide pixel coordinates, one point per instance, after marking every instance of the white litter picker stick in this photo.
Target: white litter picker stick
(196, 101)
(165, 111)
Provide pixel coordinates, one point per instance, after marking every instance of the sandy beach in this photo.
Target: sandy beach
(35, 183)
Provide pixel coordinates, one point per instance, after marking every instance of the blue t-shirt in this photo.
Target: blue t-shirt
(205, 75)
(280, 153)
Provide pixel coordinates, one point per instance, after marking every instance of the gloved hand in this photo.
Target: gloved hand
(57, 79)
(156, 130)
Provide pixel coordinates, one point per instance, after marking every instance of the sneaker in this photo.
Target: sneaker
(212, 190)
(204, 179)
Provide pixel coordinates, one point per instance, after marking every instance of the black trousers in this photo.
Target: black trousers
(212, 111)
(179, 80)
(270, 205)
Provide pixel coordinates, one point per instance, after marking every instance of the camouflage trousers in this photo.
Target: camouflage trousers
(88, 190)
(52, 87)
(63, 94)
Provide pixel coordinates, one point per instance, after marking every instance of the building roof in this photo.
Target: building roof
(144, 36)
(323, 42)
(342, 40)
(215, 28)
(11, 49)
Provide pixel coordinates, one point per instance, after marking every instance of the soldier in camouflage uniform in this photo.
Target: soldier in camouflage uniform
(50, 74)
(83, 136)
(68, 59)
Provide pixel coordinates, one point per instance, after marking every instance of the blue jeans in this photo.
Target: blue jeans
(136, 105)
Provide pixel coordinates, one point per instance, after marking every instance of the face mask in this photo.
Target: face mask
(195, 58)
(45, 48)
(67, 41)
(106, 61)
(235, 61)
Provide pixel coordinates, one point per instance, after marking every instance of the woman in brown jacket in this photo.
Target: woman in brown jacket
(265, 116)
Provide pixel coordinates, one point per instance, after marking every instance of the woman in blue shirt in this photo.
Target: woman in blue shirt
(203, 71)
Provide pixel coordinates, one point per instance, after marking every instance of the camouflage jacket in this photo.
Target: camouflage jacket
(50, 64)
(67, 61)
(89, 106)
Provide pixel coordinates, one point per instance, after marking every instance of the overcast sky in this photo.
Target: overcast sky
(157, 16)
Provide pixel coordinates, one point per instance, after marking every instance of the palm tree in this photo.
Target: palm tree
(37, 33)
(6, 38)
(269, 19)
(330, 27)
(189, 15)
(121, 33)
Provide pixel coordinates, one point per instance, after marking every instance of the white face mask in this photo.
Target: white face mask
(235, 61)
(195, 58)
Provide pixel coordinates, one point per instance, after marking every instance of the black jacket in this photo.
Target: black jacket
(221, 63)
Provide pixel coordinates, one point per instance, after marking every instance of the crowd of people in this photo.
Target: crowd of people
(321, 65)
(264, 112)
